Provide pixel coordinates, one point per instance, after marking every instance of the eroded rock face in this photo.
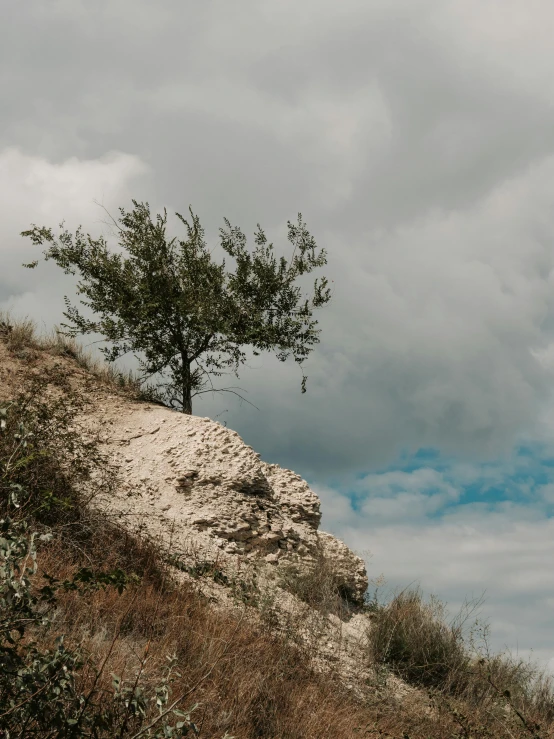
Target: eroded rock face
(349, 568)
(190, 481)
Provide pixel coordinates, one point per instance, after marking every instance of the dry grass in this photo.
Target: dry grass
(414, 638)
(248, 682)
(22, 340)
(18, 335)
(487, 695)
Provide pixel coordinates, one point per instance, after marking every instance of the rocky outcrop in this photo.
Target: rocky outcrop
(349, 569)
(191, 482)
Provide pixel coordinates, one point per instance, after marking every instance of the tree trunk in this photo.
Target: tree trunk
(186, 385)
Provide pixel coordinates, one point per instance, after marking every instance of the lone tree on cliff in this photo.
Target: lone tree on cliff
(186, 316)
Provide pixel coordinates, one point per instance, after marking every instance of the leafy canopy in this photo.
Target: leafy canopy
(187, 317)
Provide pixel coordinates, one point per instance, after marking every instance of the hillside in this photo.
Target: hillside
(220, 568)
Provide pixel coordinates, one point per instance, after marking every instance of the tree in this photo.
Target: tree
(186, 316)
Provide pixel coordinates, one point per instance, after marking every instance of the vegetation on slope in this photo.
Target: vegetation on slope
(98, 639)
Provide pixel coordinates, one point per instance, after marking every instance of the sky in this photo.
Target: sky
(416, 137)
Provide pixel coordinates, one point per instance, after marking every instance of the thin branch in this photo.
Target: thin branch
(205, 371)
(204, 348)
(112, 219)
(226, 390)
(34, 695)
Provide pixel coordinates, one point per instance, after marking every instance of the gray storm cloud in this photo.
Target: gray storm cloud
(399, 130)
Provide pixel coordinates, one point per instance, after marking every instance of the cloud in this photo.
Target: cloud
(35, 190)
(425, 173)
(436, 336)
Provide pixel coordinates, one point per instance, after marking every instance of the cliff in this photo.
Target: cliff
(192, 482)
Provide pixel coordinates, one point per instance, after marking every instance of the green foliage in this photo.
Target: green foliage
(186, 317)
(36, 685)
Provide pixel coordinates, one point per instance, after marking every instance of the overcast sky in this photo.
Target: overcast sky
(416, 138)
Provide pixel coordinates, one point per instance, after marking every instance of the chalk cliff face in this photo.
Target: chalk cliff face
(191, 482)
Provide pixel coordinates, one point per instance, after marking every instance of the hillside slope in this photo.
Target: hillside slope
(264, 613)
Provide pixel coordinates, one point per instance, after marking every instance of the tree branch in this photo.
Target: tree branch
(226, 390)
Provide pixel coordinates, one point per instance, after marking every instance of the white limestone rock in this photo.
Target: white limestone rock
(189, 481)
(350, 569)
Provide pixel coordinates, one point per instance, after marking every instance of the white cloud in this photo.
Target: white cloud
(35, 190)
(44, 189)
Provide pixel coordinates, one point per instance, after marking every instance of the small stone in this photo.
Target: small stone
(271, 537)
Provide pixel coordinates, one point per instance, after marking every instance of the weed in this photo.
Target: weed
(200, 569)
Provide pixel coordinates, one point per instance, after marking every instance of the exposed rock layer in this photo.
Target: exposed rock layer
(191, 481)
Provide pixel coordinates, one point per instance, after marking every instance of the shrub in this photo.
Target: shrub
(44, 455)
(479, 691)
(412, 637)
